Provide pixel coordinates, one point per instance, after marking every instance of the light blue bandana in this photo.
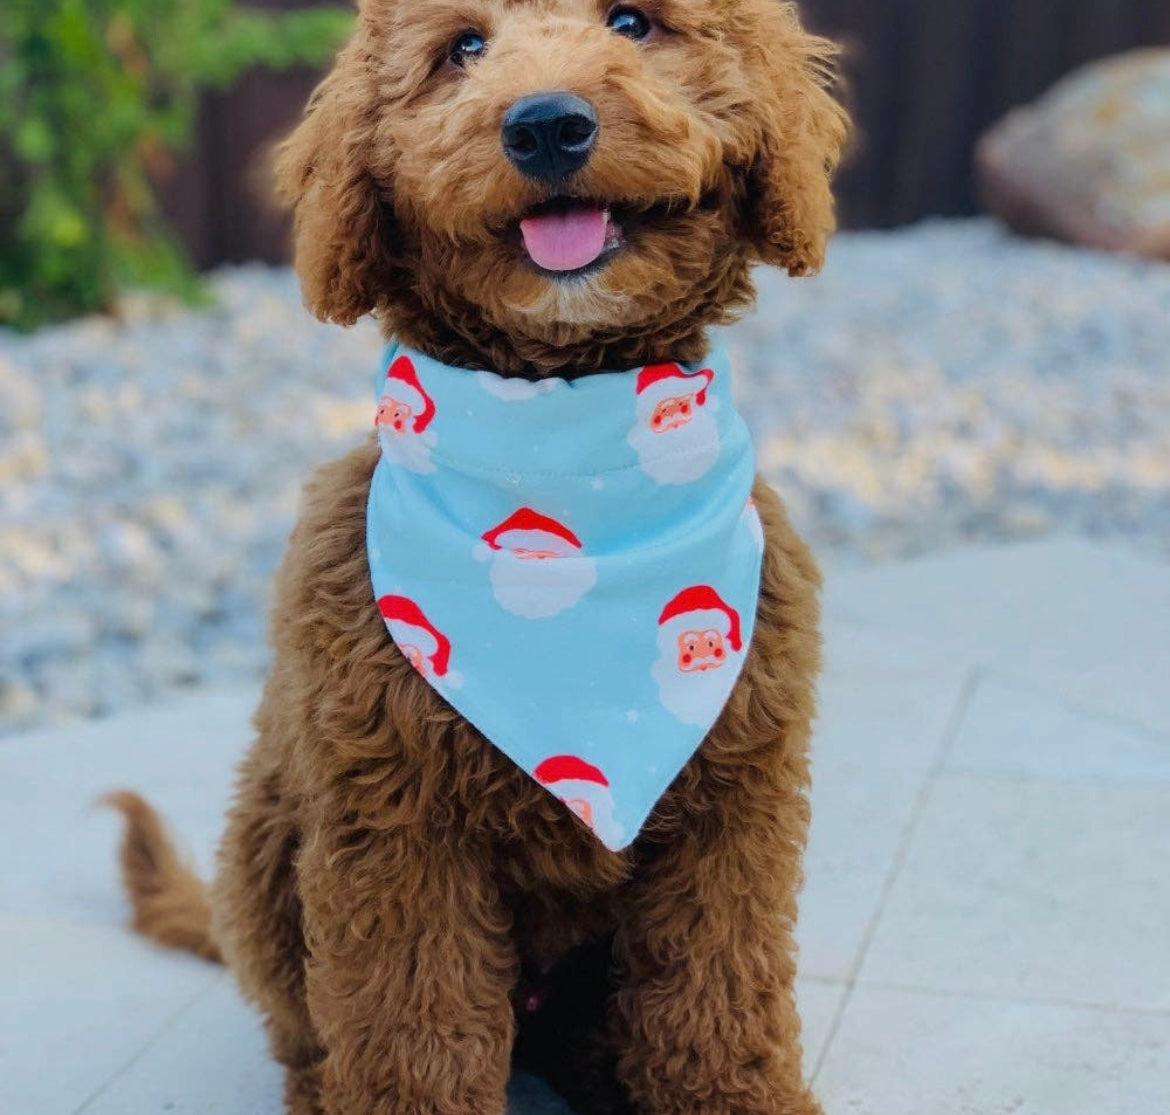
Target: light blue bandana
(574, 566)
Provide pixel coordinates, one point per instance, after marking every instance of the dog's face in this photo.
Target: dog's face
(563, 167)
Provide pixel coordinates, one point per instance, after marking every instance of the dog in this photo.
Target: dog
(540, 190)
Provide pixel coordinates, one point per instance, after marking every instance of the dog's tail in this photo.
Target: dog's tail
(169, 901)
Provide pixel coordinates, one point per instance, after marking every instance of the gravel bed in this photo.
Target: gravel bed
(935, 385)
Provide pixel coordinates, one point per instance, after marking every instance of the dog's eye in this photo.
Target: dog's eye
(629, 22)
(467, 48)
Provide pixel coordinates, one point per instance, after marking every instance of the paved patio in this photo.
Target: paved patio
(985, 928)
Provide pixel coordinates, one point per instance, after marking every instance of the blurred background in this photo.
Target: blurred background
(946, 381)
(926, 77)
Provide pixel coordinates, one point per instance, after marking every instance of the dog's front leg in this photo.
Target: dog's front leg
(706, 1019)
(409, 973)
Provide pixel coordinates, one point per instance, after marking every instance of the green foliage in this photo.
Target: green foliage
(96, 96)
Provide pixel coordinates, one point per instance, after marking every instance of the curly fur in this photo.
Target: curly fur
(410, 910)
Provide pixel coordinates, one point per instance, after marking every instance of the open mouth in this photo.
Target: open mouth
(567, 236)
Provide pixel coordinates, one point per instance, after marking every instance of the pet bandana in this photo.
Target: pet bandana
(572, 565)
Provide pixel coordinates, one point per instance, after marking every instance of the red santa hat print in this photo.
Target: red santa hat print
(568, 768)
(526, 523)
(430, 640)
(667, 379)
(403, 383)
(703, 598)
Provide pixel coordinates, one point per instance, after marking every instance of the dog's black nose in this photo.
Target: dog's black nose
(549, 135)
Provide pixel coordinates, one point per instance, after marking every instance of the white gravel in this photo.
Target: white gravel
(934, 385)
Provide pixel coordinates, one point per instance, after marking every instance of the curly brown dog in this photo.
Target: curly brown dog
(412, 913)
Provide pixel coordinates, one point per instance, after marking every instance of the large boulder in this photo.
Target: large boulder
(1090, 161)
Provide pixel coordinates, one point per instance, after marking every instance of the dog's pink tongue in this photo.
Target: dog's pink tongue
(565, 241)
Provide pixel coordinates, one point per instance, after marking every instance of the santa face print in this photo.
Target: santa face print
(701, 650)
(423, 645)
(405, 412)
(522, 553)
(675, 434)
(413, 654)
(672, 412)
(699, 655)
(393, 415)
(423, 658)
(581, 807)
(538, 568)
(584, 789)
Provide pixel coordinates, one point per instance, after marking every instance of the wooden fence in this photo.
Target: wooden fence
(925, 78)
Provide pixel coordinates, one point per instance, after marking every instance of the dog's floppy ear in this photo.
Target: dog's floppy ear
(344, 224)
(789, 206)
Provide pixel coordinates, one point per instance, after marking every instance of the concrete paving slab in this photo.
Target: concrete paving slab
(909, 1053)
(860, 817)
(1033, 889)
(1083, 620)
(818, 1002)
(1012, 728)
(887, 704)
(856, 646)
(78, 1002)
(210, 1060)
(878, 716)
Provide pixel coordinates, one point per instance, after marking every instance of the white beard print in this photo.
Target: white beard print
(697, 697)
(409, 450)
(676, 456)
(593, 804)
(537, 588)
